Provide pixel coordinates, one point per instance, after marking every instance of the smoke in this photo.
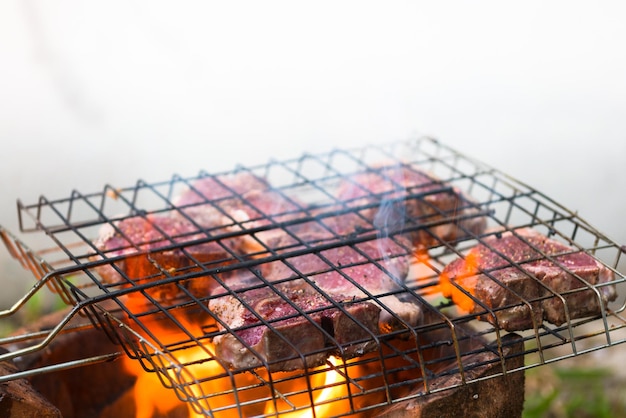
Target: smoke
(390, 219)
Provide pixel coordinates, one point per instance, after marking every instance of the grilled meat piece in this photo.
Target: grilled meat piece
(362, 270)
(248, 201)
(291, 326)
(364, 279)
(153, 245)
(206, 227)
(243, 193)
(221, 189)
(404, 197)
(520, 276)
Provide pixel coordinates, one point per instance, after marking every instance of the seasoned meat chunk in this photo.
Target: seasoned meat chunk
(149, 246)
(374, 268)
(405, 197)
(348, 294)
(525, 278)
(207, 226)
(292, 326)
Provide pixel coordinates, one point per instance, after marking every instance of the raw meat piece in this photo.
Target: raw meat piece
(532, 270)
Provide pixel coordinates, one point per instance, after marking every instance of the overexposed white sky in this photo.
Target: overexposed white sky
(110, 92)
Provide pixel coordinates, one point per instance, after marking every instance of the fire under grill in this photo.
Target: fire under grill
(355, 282)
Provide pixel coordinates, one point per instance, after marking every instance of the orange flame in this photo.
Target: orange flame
(331, 389)
(209, 385)
(451, 287)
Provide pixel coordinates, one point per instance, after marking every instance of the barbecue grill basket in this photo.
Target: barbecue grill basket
(161, 320)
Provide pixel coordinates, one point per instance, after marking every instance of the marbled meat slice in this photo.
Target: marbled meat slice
(520, 274)
(207, 225)
(150, 245)
(373, 269)
(291, 326)
(404, 197)
(364, 278)
(247, 199)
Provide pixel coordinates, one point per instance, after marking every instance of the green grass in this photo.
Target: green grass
(573, 392)
(40, 303)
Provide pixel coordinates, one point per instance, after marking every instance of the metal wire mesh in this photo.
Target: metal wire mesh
(168, 289)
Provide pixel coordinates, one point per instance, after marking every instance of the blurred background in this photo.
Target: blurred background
(112, 92)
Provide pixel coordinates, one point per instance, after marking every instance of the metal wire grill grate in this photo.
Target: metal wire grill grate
(161, 267)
